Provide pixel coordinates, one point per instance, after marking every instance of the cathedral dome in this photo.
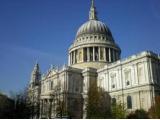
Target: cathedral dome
(92, 27)
(94, 45)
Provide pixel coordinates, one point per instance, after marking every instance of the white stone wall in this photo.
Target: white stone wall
(132, 76)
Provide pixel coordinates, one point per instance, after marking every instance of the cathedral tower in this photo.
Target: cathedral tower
(35, 76)
(94, 45)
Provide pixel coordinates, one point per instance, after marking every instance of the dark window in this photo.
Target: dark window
(128, 83)
(111, 55)
(129, 102)
(107, 54)
(76, 56)
(96, 54)
(113, 86)
(51, 85)
(114, 101)
(85, 54)
(91, 53)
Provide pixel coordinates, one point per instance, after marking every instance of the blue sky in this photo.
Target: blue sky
(43, 30)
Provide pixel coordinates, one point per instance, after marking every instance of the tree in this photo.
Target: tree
(21, 108)
(98, 102)
(15, 106)
(138, 114)
(118, 110)
(6, 107)
(154, 111)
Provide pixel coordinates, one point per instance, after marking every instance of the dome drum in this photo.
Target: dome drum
(93, 54)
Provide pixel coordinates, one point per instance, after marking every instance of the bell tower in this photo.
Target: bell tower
(35, 76)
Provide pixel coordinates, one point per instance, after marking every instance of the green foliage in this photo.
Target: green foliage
(6, 107)
(97, 107)
(138, 114)
(15, 107)
(154, 111)
(118, 111)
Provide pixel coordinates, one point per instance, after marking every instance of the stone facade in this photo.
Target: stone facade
(94, 57)
(137, 77)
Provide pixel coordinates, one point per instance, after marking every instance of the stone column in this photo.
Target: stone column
(46, 108)
(53, 108)
(105, 58)
(44, 112)
(93, 53)
(71, 61)
(82, 55)
(73, 57)
(99, 53)
(41, 109)
(90, 78)
(50, 108)
(88, 54)
(109, 54)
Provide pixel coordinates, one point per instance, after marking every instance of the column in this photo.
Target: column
(109, 54)
(69, 61)
(50, 108)
(99, 54)
(53, 107)
(45, 107)
(73, 57)
(105, 58)
(93, 53)
(88, 54)
(41, 109)
(82, 55)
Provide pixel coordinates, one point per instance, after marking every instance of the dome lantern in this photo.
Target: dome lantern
(93, 13)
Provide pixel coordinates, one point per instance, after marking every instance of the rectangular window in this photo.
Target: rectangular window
(129, 102)
(127, 77)
(113, 81)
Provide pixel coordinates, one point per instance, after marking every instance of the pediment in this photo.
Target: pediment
(51, 73)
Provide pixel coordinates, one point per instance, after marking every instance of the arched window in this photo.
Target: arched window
(113, 101)
(129, 102)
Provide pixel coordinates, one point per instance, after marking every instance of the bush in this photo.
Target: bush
(138, 114)
(154, 111)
